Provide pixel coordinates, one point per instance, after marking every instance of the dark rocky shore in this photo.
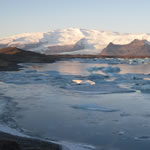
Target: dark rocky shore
(11, 56)
(135, 49)
(11, 142)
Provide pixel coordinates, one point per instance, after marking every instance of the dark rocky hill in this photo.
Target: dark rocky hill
(11, 56)
(137, 48)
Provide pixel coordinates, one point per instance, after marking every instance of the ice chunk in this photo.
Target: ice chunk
(84, 82)
(145, 88)
(93, 107)
(108, 69)
(97, 77)
(138, 61)
(121, 132)
(148, 79)
(144, 137)
(6, 129)
(2, 106)
(92, 69)
(74, 146)
(125, 114)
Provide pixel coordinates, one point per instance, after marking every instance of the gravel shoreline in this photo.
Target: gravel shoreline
(12, 142)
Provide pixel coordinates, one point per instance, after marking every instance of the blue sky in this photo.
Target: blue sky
(18, 16)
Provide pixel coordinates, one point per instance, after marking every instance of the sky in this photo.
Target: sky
(126, 16)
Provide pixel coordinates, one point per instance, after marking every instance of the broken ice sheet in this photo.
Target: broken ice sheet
(144, 137)
(93, 107)
(108, 69)
(88, 82)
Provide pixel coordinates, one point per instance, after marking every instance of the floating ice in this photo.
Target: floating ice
(73, 146)
(108, 69)
(145, 88)
(97, 77)
(144, 137)
(138, 61)
(65, 145)
(110, 79)
(89, 82)
(94, 69)
(125, 114)
(6, 129)
(121, 132)
(93, 107)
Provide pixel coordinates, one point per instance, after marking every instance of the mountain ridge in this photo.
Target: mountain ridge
(136, 48)
(42, 42)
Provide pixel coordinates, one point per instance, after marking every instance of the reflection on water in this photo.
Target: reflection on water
(77, 68)
(65, 67)
(139, 69)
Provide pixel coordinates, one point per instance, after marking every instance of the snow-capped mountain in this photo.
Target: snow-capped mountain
(69, 40)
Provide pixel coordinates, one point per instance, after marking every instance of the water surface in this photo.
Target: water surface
(113, 113)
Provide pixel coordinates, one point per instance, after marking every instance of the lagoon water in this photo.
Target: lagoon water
(100, 102)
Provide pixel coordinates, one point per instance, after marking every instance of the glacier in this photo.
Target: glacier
(92, 41)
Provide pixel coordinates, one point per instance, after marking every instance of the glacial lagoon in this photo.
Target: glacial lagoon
(101, 104)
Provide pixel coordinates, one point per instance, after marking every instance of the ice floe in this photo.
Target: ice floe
(89, 82)
(65, 145)
(93, 107)
(74, 146)
(6, 129)
(144, 137)
(108, 69)
(144, 88)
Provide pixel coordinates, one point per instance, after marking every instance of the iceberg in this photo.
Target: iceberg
(88, 82)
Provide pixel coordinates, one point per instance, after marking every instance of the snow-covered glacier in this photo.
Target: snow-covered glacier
(86, 40)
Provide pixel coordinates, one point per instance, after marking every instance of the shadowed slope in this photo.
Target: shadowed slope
(11, 56)
(137, 48)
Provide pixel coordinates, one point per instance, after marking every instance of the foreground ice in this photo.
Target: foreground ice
(2, 106)
(84, 82)
(6, 129)
(74, 146)
(144, 88)
(93, 107)
(65, 145)
(141, 138)
(55, 99)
